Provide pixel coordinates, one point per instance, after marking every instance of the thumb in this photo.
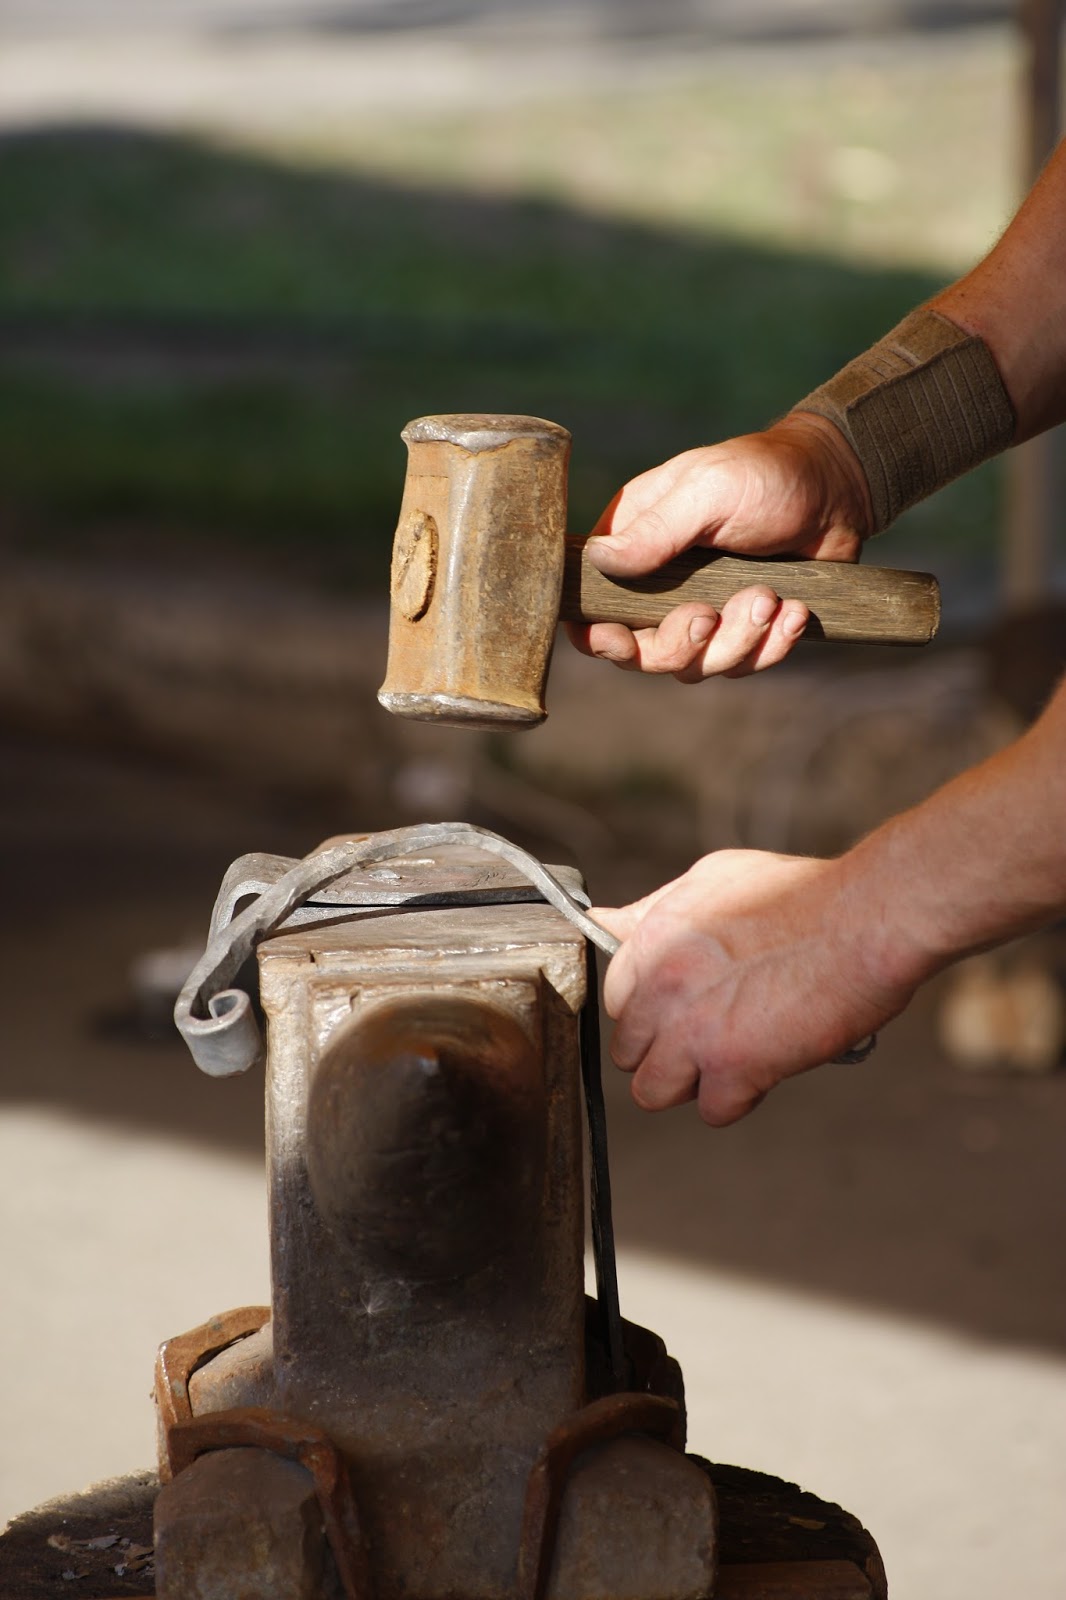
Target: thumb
(623, 921)
(619, 920)
(643, 545)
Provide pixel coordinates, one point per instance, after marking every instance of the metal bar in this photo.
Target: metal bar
(602, 1222)
(217, 1022)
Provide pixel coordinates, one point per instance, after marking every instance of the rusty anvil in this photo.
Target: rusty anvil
(431, 1408)
(483, 569)
(427, 1409)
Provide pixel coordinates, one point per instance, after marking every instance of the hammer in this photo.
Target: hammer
(483, 569)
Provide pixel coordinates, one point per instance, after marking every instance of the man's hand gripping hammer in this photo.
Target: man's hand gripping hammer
(483, 569)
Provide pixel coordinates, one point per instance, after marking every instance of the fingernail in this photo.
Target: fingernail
(762, 609)
(793, 623)
(700, 629)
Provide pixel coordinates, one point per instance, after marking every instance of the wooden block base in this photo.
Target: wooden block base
(777, 1542)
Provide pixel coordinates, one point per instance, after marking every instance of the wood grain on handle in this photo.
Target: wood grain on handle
(871, 605)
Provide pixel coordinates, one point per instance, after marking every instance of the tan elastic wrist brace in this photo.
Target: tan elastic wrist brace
(919, 408)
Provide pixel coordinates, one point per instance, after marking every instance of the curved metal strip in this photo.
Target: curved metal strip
(217, 1021)
(595, 1423)
(252, 1427)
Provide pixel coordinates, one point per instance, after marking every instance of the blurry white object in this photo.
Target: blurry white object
(999, 1012)
(156, 980)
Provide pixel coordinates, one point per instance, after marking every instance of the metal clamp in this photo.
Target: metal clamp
(181, 1356)
(255, 1428)
(609, 1418)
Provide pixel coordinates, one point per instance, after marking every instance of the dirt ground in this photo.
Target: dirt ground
(863, 1281)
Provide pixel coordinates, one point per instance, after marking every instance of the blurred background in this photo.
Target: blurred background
(242, 242)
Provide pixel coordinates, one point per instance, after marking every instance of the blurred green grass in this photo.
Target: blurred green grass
(224, 341)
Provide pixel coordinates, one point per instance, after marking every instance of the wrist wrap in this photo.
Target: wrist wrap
(919, 408)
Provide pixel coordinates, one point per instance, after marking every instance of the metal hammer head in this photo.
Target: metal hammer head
(477, 570)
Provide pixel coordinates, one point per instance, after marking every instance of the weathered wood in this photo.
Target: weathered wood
(74, 1533)
(873, 605)
(777, 1543)
(771, 1532)
(793, 1580)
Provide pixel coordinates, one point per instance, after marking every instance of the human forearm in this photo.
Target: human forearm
(982, 860)
(1015, 300)
(980, 367)
(753, 966)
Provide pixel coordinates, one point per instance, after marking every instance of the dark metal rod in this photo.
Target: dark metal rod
(610, 1315)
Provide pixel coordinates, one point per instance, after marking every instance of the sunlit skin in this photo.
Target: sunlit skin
(751, 966)
(796, 487)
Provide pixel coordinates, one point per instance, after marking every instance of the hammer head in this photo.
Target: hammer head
(477, 570)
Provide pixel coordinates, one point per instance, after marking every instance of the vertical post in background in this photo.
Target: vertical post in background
(1033, 467)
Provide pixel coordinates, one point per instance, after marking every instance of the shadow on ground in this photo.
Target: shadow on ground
(903, 1184)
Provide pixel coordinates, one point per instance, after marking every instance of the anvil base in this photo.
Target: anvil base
(776, 1542)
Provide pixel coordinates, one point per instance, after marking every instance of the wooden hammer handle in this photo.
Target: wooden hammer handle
(866, 605)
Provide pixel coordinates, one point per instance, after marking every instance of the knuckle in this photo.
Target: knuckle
(617, 652)
(735, 663)
(660, 650)
(652, 1089)
(653, 526)
(724, 1109)
(665, 1080)
(672, 978)
(675, 658)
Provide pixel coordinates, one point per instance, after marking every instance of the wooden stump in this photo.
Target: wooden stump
(777, 1542)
